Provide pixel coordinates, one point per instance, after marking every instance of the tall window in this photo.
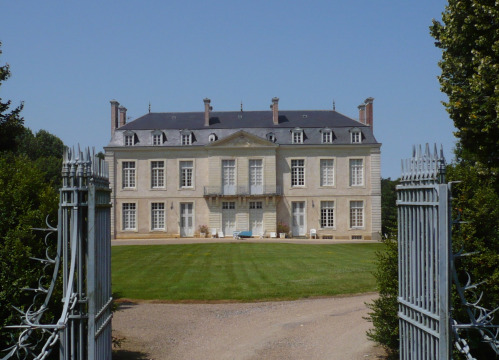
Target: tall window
(327, 172)
(158, 216)
(129, 216)
(327, 137)
(356, 172)
(157, 174)
(128, 140)
(327, 214)
(186, 172)
(157, 139)
(298, 172)
(356, 137)
(297, 136)
(356, 214)
(187, 139)
(128, 175)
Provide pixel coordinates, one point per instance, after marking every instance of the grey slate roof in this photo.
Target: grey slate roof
(259, 123)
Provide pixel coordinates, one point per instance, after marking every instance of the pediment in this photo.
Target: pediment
(242, 139)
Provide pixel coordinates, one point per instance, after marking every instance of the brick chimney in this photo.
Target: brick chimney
(275, 110)
(362, 113)
(122, 115)
(369, 111)
(207, 109)
(114, 115)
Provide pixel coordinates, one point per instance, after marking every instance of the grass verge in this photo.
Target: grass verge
(241, 272)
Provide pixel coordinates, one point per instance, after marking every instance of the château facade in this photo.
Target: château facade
(245, 171)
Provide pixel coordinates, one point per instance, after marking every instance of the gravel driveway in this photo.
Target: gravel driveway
(326, 328)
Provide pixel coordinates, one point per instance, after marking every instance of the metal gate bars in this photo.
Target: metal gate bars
(424, 257)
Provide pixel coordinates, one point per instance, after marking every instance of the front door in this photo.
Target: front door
(256, 176)
(186, 220)
(229, 177)
(228, 217)
(298, 218)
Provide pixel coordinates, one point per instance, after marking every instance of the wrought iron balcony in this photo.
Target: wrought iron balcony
(267, 190)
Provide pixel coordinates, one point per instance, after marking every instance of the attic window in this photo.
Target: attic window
(297, 136)
(174, 117)
(304, 116)
(271, 137)
(129, 138)
(158, 138)
(327, 136)
(212, 138)
(356, 136)
(240, 116)
(186, 137)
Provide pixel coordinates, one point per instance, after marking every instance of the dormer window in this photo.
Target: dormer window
(356, 136)
(158, 138)
(297, 136)
(327, 136)
(186, 137)
(212, 138)
(129, 138)
(271, 137)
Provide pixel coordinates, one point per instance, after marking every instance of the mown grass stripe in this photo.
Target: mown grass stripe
(245, 271)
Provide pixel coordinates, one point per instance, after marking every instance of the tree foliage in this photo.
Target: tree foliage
(469, 39)
(11, 123)
(389, 206)
(384, 309)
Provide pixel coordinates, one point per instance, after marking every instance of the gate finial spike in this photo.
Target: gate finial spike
(413, 151)
(435, 151)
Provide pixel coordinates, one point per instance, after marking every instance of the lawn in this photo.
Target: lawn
(241, 272)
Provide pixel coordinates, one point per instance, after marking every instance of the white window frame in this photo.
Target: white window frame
(157, 138)
(327, 136)
(158, 174)
(186, 177)
(327, 214)
(356, 137)
(327, 172)
(356, 214)
(297, 136)
(356, 170)
(186, 139)
(128, 174)
(228, 205)
(128, 139)
(129, 216)
(255, 205)
(297, 172)
(158, 218)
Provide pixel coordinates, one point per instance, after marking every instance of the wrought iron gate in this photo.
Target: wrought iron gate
(426, 267)
(424, 261)
(84, 251)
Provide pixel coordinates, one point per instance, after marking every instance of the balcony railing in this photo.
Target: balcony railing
(267, 190)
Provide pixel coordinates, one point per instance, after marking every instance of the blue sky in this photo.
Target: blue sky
(68, 59)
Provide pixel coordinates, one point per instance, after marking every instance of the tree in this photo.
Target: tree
(11, 123)
(469, 39)
(25, 201)
(388, 207)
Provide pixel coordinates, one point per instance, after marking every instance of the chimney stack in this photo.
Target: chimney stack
(122, 115)
(362, 113)
(369, 111)
(275, 110)
(114, 115)
(207, 109)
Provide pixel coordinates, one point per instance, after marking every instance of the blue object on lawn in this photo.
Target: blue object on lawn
(245, 234)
